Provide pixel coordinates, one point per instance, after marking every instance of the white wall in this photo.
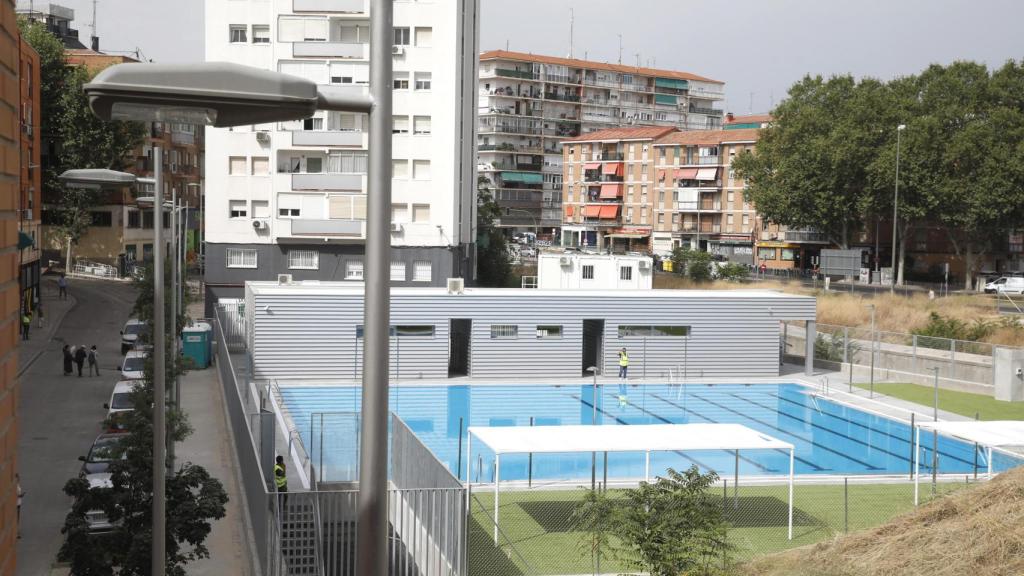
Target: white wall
(552, 274)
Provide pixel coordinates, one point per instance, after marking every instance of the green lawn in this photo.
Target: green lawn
(963, 403)
(537, 538)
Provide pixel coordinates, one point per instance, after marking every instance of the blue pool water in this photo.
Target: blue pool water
(830, 438)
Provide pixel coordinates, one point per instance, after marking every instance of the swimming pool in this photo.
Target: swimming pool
(830, 438)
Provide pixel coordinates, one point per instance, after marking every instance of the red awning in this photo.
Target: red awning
(611, 191)
(612, 169)
(686, 174)
(591, 211)
(568, 211)
(609, 212)
(591, 165)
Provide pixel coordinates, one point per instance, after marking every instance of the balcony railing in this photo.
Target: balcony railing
(341, 6)
(691, 228)
(617, 85)
(183, 138)
(506, 147)
(804, 236)
(562, 97)
(509, 128)
(521, 74)
(327, 138)
(327, 181)
(698, 207)
(330, 50)
(707, 111)
(611, 157)
(320, 227)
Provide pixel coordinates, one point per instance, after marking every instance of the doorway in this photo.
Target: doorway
(459, 331)
(593, 345)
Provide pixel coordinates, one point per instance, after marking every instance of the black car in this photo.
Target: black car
(105, 449)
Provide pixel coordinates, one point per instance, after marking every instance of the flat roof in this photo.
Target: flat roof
(635, 438)
(356, 288)
(990, 433)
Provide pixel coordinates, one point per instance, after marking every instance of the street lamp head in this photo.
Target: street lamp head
(592, 369)
(96, 178)
(901, 127)
(214, 93)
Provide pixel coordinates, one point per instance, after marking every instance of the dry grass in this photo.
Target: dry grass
(977, 531)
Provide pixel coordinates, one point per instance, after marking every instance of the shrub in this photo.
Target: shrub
(732, 272)
(699, 267)
(830, 347)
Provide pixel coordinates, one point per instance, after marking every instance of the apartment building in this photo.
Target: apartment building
(291, 197)
(30, 187)
(529, 104)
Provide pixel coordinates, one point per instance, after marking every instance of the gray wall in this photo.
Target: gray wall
(305, 334)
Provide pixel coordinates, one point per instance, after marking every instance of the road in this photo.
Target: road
(61, 415)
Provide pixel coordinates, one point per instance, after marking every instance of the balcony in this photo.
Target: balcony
(507, 128)
(706, 206)
(328, 138)
(330, 50)
(611, 157)
(320, 228)
(511, 148)
(562, 97)
(804, 236)
(328, 181)
(691, 228)
(706, 111)
(183, 138)
(521, 74)
(339, 6)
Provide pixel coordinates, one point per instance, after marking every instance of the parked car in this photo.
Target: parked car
(97, 520)
(130, 334)
(1007, 285)
(120, 403)
(134, 364)
(102, 453)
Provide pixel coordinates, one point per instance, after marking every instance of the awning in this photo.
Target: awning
(707, 174)
(626, 235)
(671, 83)
(24, 241)
(568, 211)
(612, 169)
(609, 212)
(686, 174)
(591, 211)
(989, 434)
(611, 191)
(661, 174)
(591, 165)
(523, 177)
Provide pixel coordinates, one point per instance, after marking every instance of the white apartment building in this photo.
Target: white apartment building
(291, 197)
(529, 103)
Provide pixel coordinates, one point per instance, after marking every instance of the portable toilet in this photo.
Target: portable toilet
(197, 345)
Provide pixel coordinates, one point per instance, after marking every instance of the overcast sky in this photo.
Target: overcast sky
(757, 47)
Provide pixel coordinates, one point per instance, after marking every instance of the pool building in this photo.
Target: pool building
(312, 332)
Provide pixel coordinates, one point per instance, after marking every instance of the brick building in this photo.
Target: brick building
(31, 175)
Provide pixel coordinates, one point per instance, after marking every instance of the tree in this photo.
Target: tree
(53, 73)
(595, 517)
(493, 265)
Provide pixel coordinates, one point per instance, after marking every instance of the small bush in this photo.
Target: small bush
(830, 347)
(732, 272)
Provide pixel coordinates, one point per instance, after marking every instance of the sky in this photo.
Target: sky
(759, 48)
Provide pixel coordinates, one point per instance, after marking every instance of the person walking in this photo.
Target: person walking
(94, 361)
(281, 481)
(21, 496)
(26, 323)
(69, 360)
(62, 283)
(80, 356)
(623, 370)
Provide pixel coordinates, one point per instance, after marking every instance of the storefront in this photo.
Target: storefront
(628, 239)
(738, 249)
(779, 255)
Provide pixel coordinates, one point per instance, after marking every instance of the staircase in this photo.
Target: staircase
(299, 538)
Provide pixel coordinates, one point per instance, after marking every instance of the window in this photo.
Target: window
(399, 124)
(625, 272)
(300, 29)
(354, 270)
(402, 36)
(421, 212)
(237, 33)
(661, 218)
(398, 271)
(236, 166)
(134, 220)
(421, 125)
(260, 209)
(421, 169)
(260, 34)
(549, 331)
(260, 166)
(423, 80)
(424, 37)
(788, 254)
(313, 124)
(289, 212)
(653, 331)
(766, 253)
(422, 272)
(240, 258)
(238, 209)
(746, 221)
(421, 331)
(588, 271)
(401, 81)
(400, 169)
(303, 260)
(102, 219)
(504, 331)
(399, 212)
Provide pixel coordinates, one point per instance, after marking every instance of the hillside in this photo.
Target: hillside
(975, 531)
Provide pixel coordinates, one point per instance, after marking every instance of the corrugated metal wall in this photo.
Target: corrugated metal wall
(311, 334)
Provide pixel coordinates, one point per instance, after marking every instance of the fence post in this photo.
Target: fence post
(912, 415)
(846, 505)
(914, 340)
(952, 359)
(846, 344)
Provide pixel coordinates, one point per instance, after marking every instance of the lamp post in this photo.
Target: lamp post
(593, 422)
(935, 432)
(222, 95)
(895, 205)
(872, 389)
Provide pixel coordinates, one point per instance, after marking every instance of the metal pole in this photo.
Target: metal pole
(895, 204)
(935, 433)
(846, 505)
(458, 470)
(912, 455)
(529, 466)
(174, 312)
(159, 555)
(593, 422)
(872, 393)
(372, 528)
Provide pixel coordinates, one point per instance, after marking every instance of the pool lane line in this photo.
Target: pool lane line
(779, 450)
(869, 429)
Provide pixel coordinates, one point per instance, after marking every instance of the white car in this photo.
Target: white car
(130, 334)
(134, 364)
(1007, 285)
(120, 403)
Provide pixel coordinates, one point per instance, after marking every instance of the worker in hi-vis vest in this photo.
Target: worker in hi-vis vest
(623, 369)
(281, 480)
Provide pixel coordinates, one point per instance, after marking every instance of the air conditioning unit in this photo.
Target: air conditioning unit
(397, 50)
(263, 137)
(644, 265)
(565, 261)
(259, 225)
(456, 285)
(396, 227)
(284, 278)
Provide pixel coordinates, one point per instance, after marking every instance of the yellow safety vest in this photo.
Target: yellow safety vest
(623, 359)
(280, 478)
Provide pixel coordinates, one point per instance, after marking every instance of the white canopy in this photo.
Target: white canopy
(990, 434)
(636, 438)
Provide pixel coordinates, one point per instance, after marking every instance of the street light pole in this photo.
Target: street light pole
(895, 205)
(593, 422)
(372, 526)
(872, 389)
(173, 253)
(159, 555)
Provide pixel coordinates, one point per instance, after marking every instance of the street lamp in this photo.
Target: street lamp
(895, 204)
(593, 422)
(872, 389)
(222, 94)
(92, 179)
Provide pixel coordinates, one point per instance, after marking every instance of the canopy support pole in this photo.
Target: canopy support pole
(989, 462)
(917, 463)
(736, 483)
(792, 452)
(497, 479)
(647, 466)
(469, 473)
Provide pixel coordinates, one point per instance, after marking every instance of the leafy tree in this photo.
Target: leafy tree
(699, 267)
(493, 265)
(53, 73)
(595, 517)
(680, 257)
(732, 272)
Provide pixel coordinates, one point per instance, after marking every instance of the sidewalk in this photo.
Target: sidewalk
(40, 337)
(210, 446)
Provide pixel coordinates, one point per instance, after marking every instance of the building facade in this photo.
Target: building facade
(582, 271)
(30, 177)
(530, 103)
(291, 197)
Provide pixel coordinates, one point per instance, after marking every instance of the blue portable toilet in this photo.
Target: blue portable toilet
(197, 345)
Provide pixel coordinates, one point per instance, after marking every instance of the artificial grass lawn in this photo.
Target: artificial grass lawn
(536, 534)
(963, 403)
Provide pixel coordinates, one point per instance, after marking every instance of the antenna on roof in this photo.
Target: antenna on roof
(93, 25)
(750, 109)
(506, 44)
(620, 49)
(571, 22)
